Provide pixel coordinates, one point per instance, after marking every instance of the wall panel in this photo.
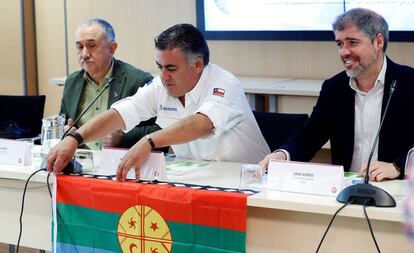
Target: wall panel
(50, 50)
(137, 22)
(11, 72)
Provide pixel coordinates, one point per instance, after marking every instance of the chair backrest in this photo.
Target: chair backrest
(26, 111)
(278, 127)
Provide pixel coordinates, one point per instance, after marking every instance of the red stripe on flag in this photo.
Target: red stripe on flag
(177, 204)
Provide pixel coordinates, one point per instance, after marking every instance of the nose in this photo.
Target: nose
(344, 51)
(85, 53)
(165, 75)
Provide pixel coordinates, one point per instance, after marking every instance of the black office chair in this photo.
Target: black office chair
(23, 113)
(278, 127)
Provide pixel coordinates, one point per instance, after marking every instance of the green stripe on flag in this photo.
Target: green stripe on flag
(97, 229)
(212, 238)
(87, 227)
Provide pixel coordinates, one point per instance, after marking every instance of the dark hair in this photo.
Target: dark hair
(187, 38)
(105, 25)
(367, 21)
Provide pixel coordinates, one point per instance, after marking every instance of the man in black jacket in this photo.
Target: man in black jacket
(351, 104)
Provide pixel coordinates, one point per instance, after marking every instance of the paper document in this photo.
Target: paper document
(184, 167)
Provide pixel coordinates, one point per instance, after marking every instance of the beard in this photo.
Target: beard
(361, 68)
(354, 73)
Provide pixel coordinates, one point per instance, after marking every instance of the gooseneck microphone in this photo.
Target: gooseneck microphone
(392, 89)
(89, 106)
(72, 166)
(365, 193)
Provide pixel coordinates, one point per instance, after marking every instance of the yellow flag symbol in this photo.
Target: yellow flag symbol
(142, 229)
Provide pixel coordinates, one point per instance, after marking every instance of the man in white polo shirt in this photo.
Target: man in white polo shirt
(200, 107)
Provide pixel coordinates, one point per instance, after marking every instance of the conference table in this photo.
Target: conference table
(276, 221)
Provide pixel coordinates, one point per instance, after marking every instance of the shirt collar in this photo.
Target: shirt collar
(195, 94)
(104, 80)
(379, 82)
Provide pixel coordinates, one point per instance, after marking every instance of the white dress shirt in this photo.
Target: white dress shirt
(367, 120)
(218, 95)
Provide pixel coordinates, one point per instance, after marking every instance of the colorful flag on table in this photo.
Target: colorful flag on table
(100, 215)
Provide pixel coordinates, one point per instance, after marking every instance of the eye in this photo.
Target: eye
(91, 45)
(172, 68)
(340, 44)
(354, 42)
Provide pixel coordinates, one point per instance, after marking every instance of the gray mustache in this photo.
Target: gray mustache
(86, 60)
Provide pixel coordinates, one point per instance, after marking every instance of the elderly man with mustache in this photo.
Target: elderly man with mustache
(95, 44)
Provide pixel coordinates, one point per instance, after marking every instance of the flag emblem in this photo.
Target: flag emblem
(142, 229)
(218, 92)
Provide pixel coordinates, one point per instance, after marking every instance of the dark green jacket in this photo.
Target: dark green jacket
(126, 81)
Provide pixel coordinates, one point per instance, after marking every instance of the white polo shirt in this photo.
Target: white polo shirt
(218, 95)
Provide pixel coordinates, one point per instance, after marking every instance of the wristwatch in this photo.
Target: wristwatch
(287, 154)
(78, 137)
(149, 139)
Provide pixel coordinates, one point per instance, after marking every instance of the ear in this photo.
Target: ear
(379, 41)
(113, 47)
(199, 65)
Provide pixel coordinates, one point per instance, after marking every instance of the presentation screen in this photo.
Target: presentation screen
(294, 19)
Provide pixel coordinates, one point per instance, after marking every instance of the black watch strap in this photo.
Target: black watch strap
(78, 137)
(149, 139)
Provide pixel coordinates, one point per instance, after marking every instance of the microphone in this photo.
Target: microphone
(74, 166)
(366, 193)
(87, 108)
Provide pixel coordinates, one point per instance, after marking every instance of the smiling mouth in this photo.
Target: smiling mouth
(348, 62)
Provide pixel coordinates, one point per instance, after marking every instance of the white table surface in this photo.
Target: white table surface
(261, 207)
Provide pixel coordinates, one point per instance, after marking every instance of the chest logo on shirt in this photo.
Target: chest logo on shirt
(219, 92)
(167, 109)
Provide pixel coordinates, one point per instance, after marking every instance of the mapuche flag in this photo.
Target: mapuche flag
(98, 215)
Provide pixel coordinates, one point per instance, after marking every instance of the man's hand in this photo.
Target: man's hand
(379, 171)
(60, 155)
(134, 159)
(279, 155)
(113, 139)
(70, 123)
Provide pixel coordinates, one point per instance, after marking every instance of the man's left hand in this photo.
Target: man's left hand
(134, 159)
(380, 171)
(113, 139)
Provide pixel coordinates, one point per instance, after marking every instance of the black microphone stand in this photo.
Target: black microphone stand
(366, 193)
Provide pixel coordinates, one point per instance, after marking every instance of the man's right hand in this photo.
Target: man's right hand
(279, 155)
(60, 155)
(70, 123)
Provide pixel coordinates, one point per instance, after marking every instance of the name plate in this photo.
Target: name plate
(153, 168)
(312, 178)
(15, 152)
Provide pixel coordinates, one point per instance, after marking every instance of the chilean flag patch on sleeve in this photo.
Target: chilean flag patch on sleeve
(219, 92)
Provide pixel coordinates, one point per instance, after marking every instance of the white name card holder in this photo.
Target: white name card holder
(311, 178)
(153, 168)
(15, 152)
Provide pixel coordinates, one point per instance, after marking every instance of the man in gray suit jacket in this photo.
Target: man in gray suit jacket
(95, 43)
